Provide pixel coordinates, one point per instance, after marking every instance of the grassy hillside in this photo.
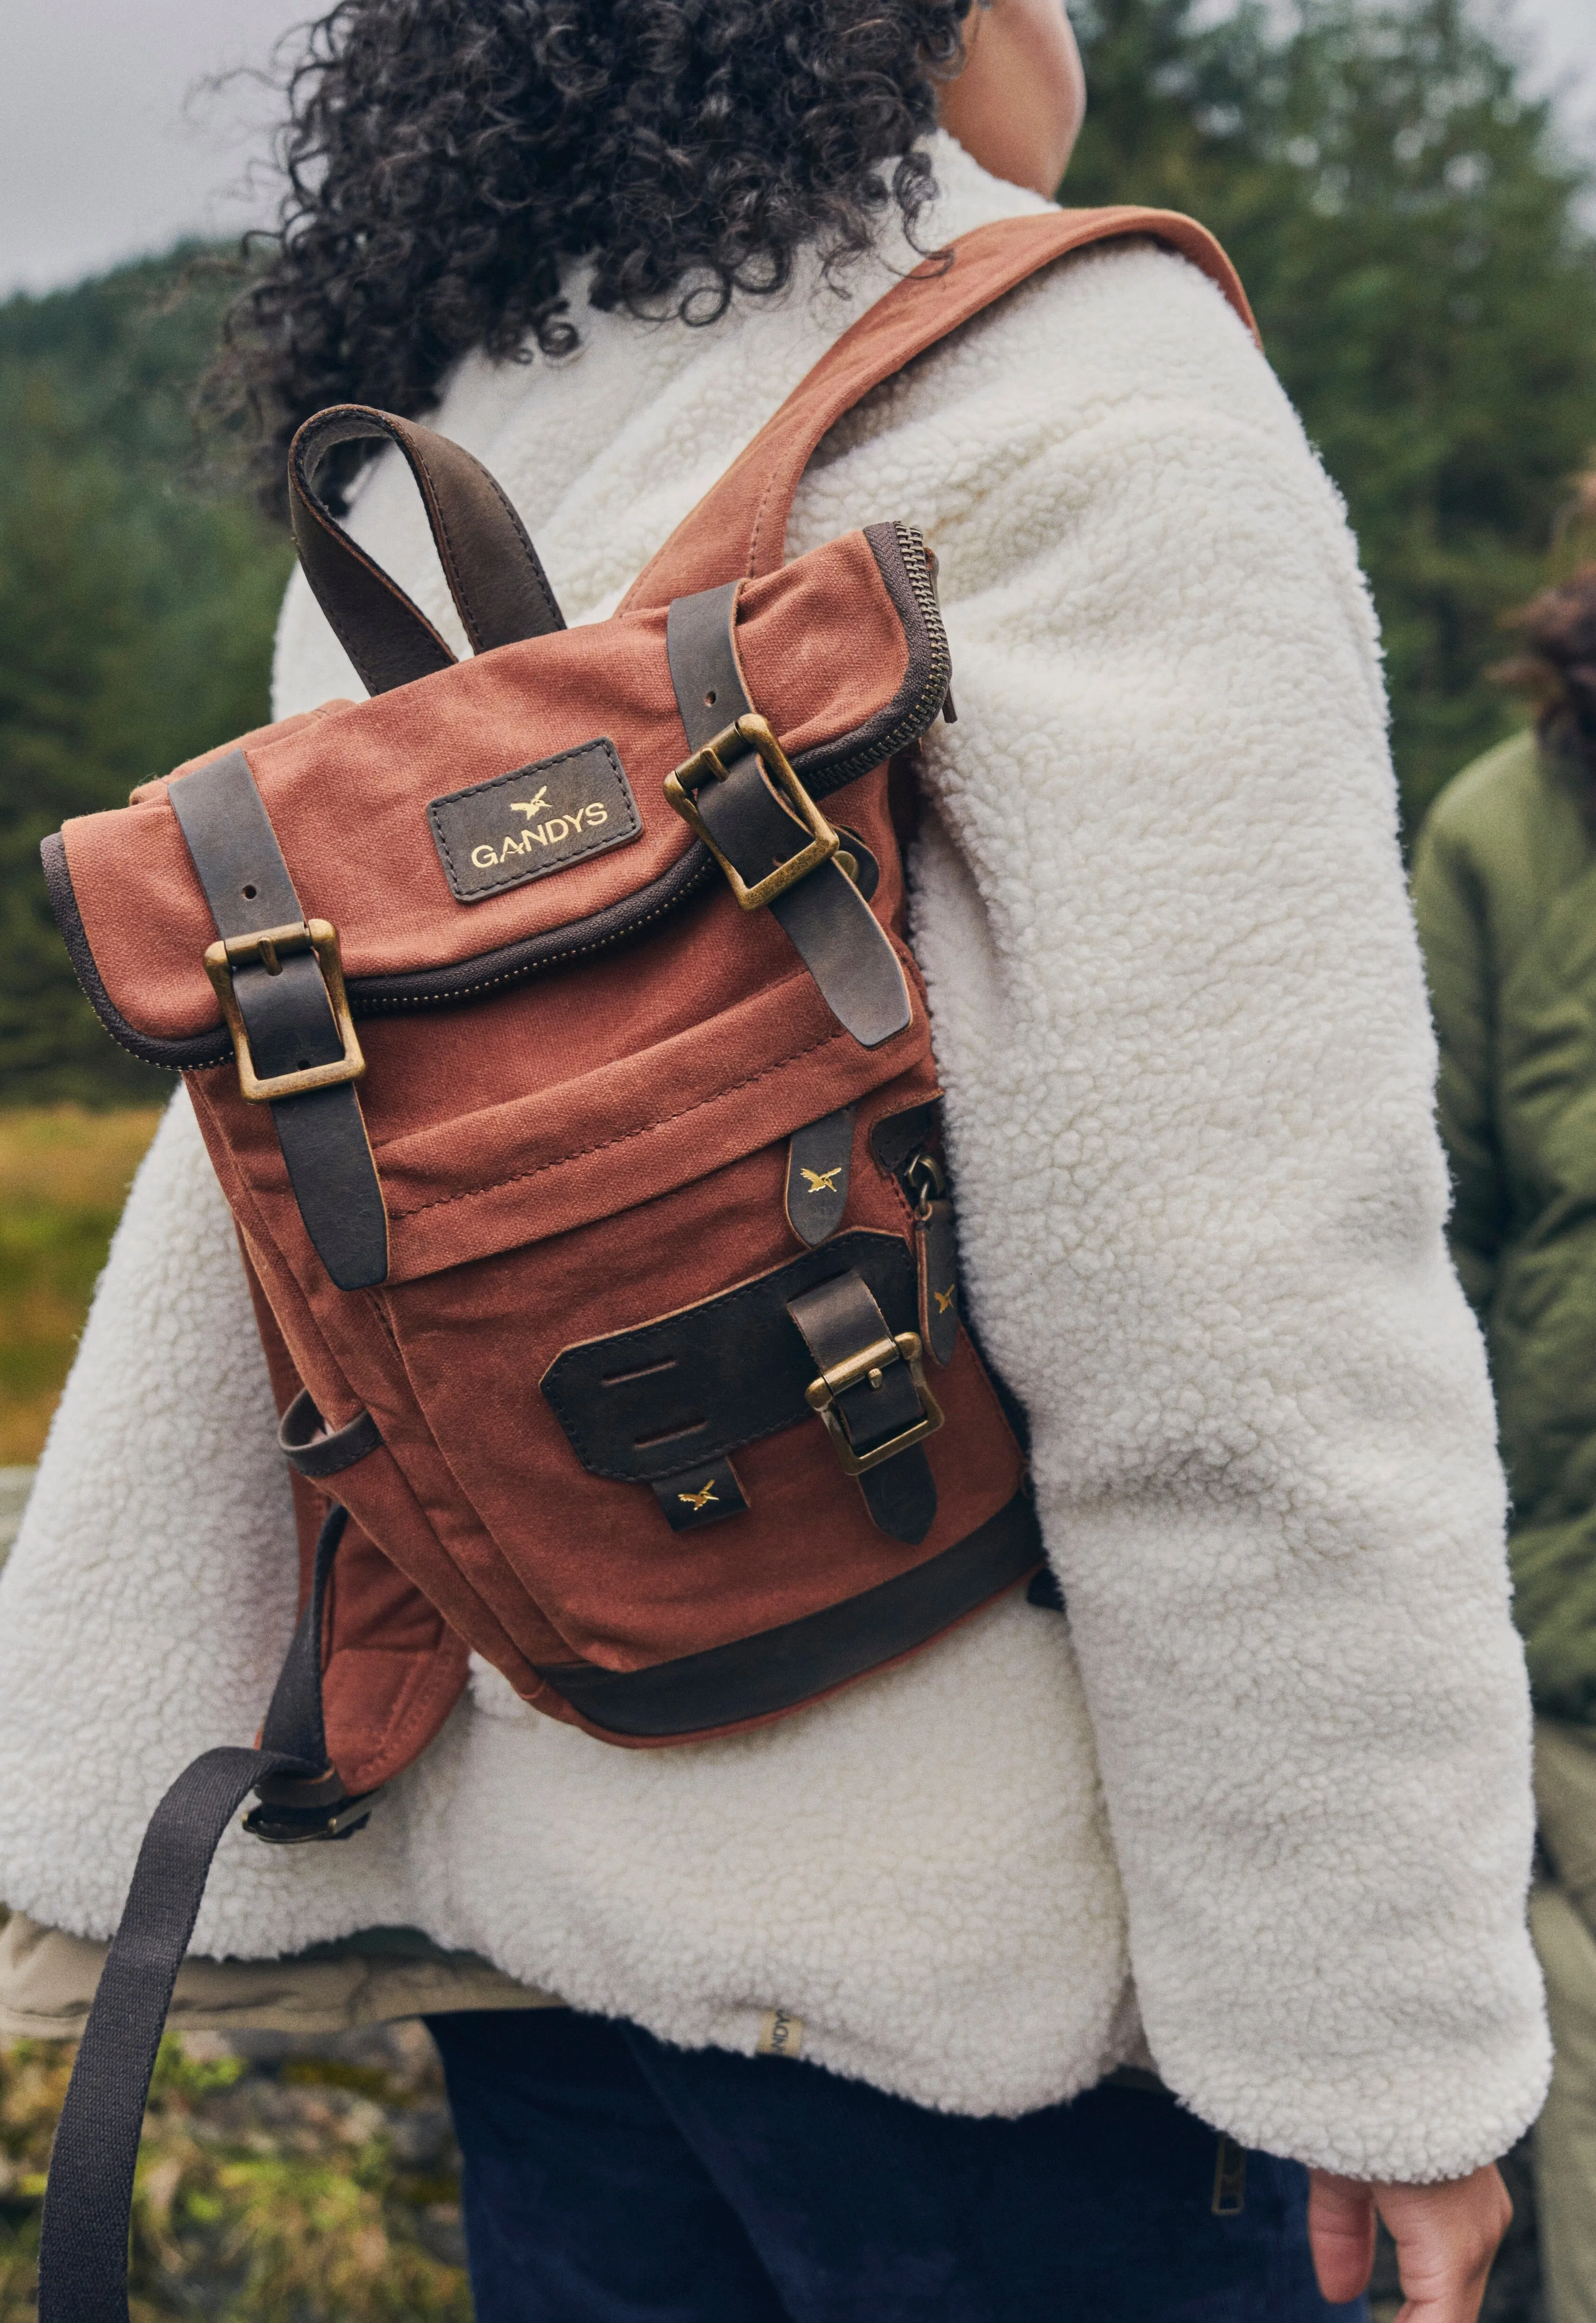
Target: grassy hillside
(64, 1176)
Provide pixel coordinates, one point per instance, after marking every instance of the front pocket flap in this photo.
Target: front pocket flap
(843, 651)
(692, 1386)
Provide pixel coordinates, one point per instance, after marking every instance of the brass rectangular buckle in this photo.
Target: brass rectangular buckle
(821, 1395)
(754, 733)
(264, 949)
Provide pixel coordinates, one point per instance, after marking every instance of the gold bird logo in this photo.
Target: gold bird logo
(699, 1500)
(530, 807)
(822, 1181)
(944, 1299)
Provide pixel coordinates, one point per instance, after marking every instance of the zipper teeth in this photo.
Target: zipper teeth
(909, 728)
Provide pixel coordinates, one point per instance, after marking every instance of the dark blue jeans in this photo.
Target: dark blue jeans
(608, 2179)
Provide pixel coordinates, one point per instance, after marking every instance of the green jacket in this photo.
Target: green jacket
(1505, 890)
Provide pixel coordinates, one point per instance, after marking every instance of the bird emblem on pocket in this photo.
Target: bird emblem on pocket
(702, 1498)
(945, 1298)
(821, 1181)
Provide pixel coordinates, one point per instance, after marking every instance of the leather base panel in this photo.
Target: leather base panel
(758, 1676)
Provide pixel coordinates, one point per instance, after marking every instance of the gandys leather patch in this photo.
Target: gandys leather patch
(535, 819)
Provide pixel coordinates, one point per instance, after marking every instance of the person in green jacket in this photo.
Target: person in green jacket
(1505, 892)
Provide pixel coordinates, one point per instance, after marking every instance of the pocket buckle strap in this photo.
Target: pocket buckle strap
(265, 948)
(712, 764)
(868, 1368)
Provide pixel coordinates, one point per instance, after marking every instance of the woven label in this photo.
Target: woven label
(537, 820)
(781, 2035)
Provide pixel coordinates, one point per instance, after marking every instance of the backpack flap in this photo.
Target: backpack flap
(504, 815)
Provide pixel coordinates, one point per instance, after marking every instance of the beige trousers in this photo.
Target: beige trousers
(1563, 1921)
(48, 1979)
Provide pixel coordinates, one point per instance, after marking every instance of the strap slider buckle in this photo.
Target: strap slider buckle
(712, 764)
(868, 1367)
(267, 947)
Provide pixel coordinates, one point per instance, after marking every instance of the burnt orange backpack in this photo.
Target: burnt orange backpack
(552, 1029)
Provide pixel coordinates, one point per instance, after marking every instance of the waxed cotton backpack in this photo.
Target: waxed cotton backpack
(551, 1026)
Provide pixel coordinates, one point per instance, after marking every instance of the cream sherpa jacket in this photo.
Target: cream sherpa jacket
(1265, 1793)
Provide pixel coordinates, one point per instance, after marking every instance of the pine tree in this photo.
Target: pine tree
(1407, 229)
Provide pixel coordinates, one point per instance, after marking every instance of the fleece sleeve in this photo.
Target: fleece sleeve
(1181, 1020)
(1462, 977)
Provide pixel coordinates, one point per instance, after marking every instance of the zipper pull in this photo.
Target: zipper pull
(936, 1254)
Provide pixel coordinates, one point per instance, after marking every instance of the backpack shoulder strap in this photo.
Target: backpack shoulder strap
(739, 527)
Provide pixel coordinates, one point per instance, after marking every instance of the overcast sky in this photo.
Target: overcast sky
(106, 151)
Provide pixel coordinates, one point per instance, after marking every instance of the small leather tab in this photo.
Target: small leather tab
(306, 1444)
(819, 1159)
(937, 1248)
(695, 1497)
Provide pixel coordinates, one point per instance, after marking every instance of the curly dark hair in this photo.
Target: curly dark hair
(443, 157)
(1556, 668)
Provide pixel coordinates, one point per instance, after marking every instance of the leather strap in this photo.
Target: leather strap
(312, 1452)
(824, 917)
(759, 1677)
(287, 1017)
(494, 576)
(83, 2249)
(739, 527)
(839, 1321)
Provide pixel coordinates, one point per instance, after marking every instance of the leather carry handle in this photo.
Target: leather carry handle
(739, 527)
(493, 569)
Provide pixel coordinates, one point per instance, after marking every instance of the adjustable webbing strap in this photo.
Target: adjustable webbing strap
(823, 916)
(88, 2201)
(288, 1018)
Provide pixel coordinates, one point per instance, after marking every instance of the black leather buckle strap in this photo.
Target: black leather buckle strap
(692, 1386)
(298, 1052)
(739, 793)
(83, 2251)
(758, 1676)
(873, 1399)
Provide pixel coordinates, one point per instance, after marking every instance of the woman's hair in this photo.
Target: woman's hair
(442, 159)
(1556, 666)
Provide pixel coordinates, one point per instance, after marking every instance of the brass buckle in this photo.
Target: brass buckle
(821, 1395)
(754, 733)
(265, 949)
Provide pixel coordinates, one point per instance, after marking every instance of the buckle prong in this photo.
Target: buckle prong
(869, 1366)
(265, 948)
(752, 732)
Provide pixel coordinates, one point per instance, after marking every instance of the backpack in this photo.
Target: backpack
(552, 1028)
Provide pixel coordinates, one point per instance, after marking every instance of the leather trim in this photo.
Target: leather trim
(759, 1676)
